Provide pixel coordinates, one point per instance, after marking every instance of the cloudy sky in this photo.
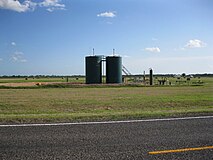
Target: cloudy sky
(54, 36)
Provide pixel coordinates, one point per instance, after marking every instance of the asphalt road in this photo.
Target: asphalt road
(109, 141)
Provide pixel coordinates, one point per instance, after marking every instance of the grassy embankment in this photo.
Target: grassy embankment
(104, 103)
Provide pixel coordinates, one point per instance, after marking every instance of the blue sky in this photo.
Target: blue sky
(54, 36)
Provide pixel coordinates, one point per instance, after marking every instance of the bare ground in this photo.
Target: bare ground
(27, 84)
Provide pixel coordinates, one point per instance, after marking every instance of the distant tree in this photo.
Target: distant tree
(183, 75)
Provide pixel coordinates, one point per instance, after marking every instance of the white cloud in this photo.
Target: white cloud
(29, 5)
(55, 3)
(50, 9)
(18, 57)
(153, 49)
(195, 43)
(107, 14)
(13, 43)
(52, 5)
(15, 5)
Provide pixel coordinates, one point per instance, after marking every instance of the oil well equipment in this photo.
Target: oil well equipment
(94, 65)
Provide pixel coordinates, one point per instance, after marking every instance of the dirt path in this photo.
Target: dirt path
(26, 84)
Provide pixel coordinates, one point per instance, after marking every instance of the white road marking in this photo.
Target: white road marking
(106, 122)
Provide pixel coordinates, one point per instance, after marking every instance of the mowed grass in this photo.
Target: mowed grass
(114, 103)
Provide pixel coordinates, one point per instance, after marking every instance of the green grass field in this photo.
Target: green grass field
(29, 105)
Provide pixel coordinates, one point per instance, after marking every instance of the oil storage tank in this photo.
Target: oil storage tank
(93, 69)
(113, 69)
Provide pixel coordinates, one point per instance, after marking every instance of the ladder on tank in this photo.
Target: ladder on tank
(126, 71)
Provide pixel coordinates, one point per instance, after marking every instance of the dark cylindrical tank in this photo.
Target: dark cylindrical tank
(151, 77)
(93, 69)
(113, 69)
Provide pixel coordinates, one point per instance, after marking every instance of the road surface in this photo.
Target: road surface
(181, 139)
